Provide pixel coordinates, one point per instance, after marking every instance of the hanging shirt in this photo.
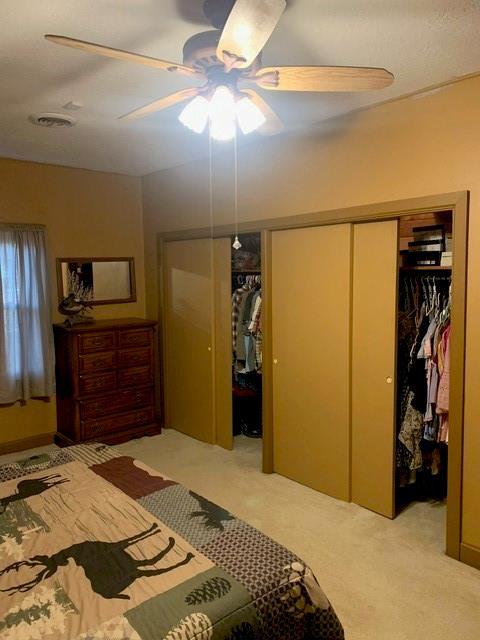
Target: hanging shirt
(242, 325)
(255, 320)
(258, 349)
(432, 389)
(237, 299)
(443, 429)
(425, 350)
(444, 383)
(411, 433)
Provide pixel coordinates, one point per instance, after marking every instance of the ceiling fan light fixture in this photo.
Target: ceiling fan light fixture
(249, 116)
(222, 113)
(195, 114)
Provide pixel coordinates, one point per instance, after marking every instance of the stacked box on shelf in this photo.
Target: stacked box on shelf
(427, 246)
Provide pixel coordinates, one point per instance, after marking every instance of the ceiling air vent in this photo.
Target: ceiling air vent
(51, 120)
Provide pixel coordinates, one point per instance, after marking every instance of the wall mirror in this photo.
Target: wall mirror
(97, 280)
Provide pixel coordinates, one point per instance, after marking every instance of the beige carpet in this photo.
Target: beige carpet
(388, 580)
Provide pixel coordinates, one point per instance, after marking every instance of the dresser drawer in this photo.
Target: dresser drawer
(98, 341)
(94, 428)
(116, 403)
(97, 362)
(96, 384)
(134, 377)
(134, 337)
(134, 357)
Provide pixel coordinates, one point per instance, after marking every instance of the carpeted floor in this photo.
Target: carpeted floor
(388, 580)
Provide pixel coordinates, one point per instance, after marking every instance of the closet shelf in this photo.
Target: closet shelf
(255, 271)
(426, 268)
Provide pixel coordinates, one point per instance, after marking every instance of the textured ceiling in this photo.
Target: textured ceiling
(423, 42)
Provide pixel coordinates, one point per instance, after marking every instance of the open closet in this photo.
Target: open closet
(212, 338)
(247, 334)
(401, 301)
(423, 358)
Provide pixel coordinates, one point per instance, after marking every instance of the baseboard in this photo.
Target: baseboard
(31, 442)
(470, 555)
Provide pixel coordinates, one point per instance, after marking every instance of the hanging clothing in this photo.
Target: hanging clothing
(243, 322)
(444, 384)
(255, 319)
(237, 300)
(443, 428)
(246, 326)
(423, 373)
(411, 434)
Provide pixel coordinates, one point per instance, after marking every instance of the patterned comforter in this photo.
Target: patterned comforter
(97, 546)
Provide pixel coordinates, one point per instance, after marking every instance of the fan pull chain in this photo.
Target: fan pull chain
(236, 243)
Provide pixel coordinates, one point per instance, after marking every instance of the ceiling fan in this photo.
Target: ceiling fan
(228, 59)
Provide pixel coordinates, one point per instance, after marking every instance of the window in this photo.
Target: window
(26, 352)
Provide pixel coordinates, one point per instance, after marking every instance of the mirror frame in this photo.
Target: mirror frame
(133, 289)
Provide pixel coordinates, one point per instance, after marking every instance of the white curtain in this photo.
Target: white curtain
(26, 340)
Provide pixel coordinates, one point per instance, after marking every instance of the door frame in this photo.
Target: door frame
(458, 203)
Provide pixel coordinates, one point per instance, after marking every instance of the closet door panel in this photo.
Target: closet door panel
(310, 274)
(373, 365)
(222, 269)
(188, 327)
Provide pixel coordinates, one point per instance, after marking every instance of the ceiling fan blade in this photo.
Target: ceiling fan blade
(323, 78)
(119, 54)
(249, 26)
(273, 124)
(161, 103)
(191, 11)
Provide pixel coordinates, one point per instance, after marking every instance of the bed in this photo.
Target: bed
(95, 545)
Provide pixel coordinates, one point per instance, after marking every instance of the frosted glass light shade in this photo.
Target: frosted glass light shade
(249, 115)
(223, 130)
(222, 114)
(222, 104)
(195, 114)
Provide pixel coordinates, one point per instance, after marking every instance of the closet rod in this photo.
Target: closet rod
(426, 268)
(252, 271)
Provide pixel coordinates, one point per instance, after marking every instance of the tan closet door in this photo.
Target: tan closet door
(373, 365)
(188, 338)
(222, 271)
(311, 272)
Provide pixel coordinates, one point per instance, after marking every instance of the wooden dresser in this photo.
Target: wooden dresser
(105, 381)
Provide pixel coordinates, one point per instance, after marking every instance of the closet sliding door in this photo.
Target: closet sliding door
(310, 296)
(222, 285)
(188, 358)
(374, 320)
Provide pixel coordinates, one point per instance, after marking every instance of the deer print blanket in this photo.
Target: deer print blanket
(98, 546)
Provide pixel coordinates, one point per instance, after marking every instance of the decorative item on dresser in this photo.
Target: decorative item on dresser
(105, 381)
